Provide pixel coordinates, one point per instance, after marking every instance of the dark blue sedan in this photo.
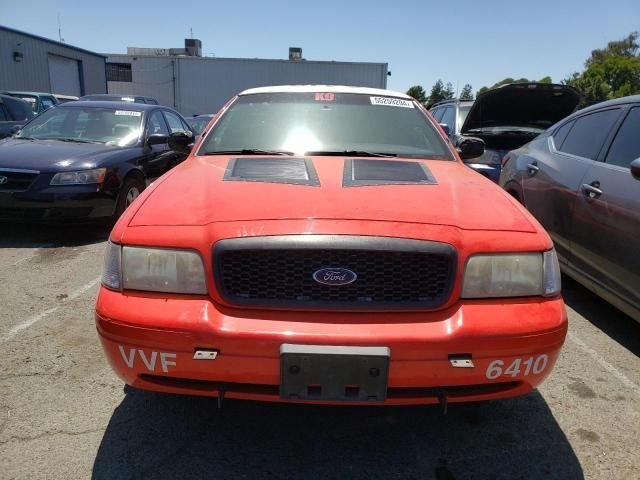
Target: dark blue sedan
(87, 161)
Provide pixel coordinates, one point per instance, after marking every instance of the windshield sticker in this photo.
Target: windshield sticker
(391, 102)
(129, 113)
(325, 97)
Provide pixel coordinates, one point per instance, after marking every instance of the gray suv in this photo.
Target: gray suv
(580, 179)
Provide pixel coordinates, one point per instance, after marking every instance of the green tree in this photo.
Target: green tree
(418, 93)
(508, 80)
(627, 47)
(467, 93)
(610, 72)
(448, 91)
(437, 93)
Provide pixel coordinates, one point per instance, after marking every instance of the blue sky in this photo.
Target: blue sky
(460, 41)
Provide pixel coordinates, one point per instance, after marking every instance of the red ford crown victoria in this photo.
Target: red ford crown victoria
(326, 244)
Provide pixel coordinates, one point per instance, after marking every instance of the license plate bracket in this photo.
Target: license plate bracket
(333, 373)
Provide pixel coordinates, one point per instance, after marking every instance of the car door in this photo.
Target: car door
(554, 169)
(157, 158)
(606, 227)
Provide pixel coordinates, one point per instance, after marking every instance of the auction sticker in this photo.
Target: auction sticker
(129, 113)
(391, 102)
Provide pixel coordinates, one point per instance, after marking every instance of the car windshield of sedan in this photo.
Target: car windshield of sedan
(316, 123)
(111, 126)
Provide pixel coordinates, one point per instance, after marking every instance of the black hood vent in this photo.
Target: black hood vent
(385, 172)
(296, 171)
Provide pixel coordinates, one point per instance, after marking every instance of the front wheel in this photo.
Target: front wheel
(131, 189)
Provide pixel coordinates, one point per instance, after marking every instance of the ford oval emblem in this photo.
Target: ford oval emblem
(335, 276)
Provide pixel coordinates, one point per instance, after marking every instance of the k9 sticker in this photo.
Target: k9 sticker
(518, 367)
(391, 102)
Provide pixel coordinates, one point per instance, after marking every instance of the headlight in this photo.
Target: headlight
(82, 177)
(154, 270)
(512, 275)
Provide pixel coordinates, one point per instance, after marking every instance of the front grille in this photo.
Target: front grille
(278, 272)
(16, 180)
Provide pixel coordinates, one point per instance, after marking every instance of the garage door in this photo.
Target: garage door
(64, 75)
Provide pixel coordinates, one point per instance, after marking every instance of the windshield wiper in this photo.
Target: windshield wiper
(250, 151)
(351, 153)
(74, 140)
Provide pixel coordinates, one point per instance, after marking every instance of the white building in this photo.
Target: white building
(192, 84)
(32, 63)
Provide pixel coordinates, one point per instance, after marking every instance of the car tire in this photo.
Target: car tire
(131, 189)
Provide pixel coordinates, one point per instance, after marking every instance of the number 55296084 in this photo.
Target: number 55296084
(518, 366)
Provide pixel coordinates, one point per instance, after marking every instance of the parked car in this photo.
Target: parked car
(39, 101)
(103, 97)
(65, 98)
(14, 113)
(199, 122)
(326, 244)
(506, 118)
(84, 161)
(580, 179)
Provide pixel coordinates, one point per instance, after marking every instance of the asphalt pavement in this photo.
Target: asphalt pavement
(65, 415)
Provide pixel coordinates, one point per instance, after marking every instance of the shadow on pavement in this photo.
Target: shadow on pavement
(162, 436)
(614, 323)
(50, 236)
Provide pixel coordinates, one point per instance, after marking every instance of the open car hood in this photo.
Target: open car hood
(526, 105)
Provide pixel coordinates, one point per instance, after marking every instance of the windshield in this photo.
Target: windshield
(324, 123)
(86, 125)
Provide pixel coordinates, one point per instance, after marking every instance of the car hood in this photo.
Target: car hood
(527, 105)
(197, 193)
(52, 155)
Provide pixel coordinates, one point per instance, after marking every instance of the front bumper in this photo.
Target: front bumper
(75, 203)
(150, 341)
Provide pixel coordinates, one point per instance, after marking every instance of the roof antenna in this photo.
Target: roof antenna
(60, 30)
(191, 31)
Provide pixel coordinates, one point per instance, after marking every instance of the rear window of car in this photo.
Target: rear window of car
(589, 133)
(31, 100)
(449, 118)
(626, 146)
(462, 115)
(561, 133)
(326, 122)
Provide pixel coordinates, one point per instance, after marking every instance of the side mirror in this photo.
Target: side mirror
(15, 130)
(157, 139)
(181, 141)
(446, 128)
(635, 168)
(470, 147)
